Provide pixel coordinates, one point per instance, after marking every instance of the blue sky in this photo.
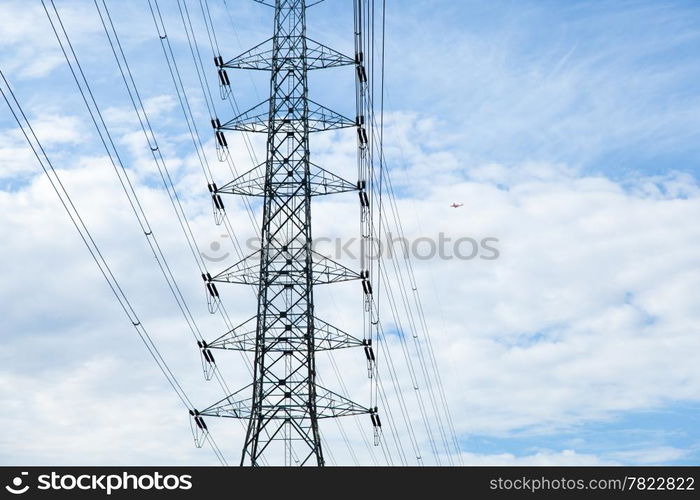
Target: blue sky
(605, 86)
(570, 130)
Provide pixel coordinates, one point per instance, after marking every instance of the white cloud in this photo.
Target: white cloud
(564, 457)
(577, 320)
(53, 130)
(574, 323)
(588, 314)
(652, 456)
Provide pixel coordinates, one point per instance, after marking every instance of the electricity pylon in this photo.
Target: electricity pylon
(284, 404)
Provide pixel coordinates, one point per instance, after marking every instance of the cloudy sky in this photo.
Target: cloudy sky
(569, 130)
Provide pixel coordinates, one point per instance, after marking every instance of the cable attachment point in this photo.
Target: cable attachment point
(364, 199)
(369, 353)
(361, 72)
(221, 142)
(213, 299)
(208, 361)
(361, 131)
(364, 202)
(366, 285)
(199, 428)
(367, 289)
(376, 423)
(217, 203)
(224, 82)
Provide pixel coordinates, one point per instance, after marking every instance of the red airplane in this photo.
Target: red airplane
(457, 205)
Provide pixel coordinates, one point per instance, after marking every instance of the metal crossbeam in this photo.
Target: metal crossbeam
(316, 118)
(283, 402)
(289, 269)
(321, 182)
(318, 56)
(244, 337)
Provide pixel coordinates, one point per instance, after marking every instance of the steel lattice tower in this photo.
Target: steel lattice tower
(286, 403)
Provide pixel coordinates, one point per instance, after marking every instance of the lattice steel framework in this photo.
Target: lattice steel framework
(286, 403)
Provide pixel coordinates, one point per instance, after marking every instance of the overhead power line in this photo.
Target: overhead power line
(95, 252)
